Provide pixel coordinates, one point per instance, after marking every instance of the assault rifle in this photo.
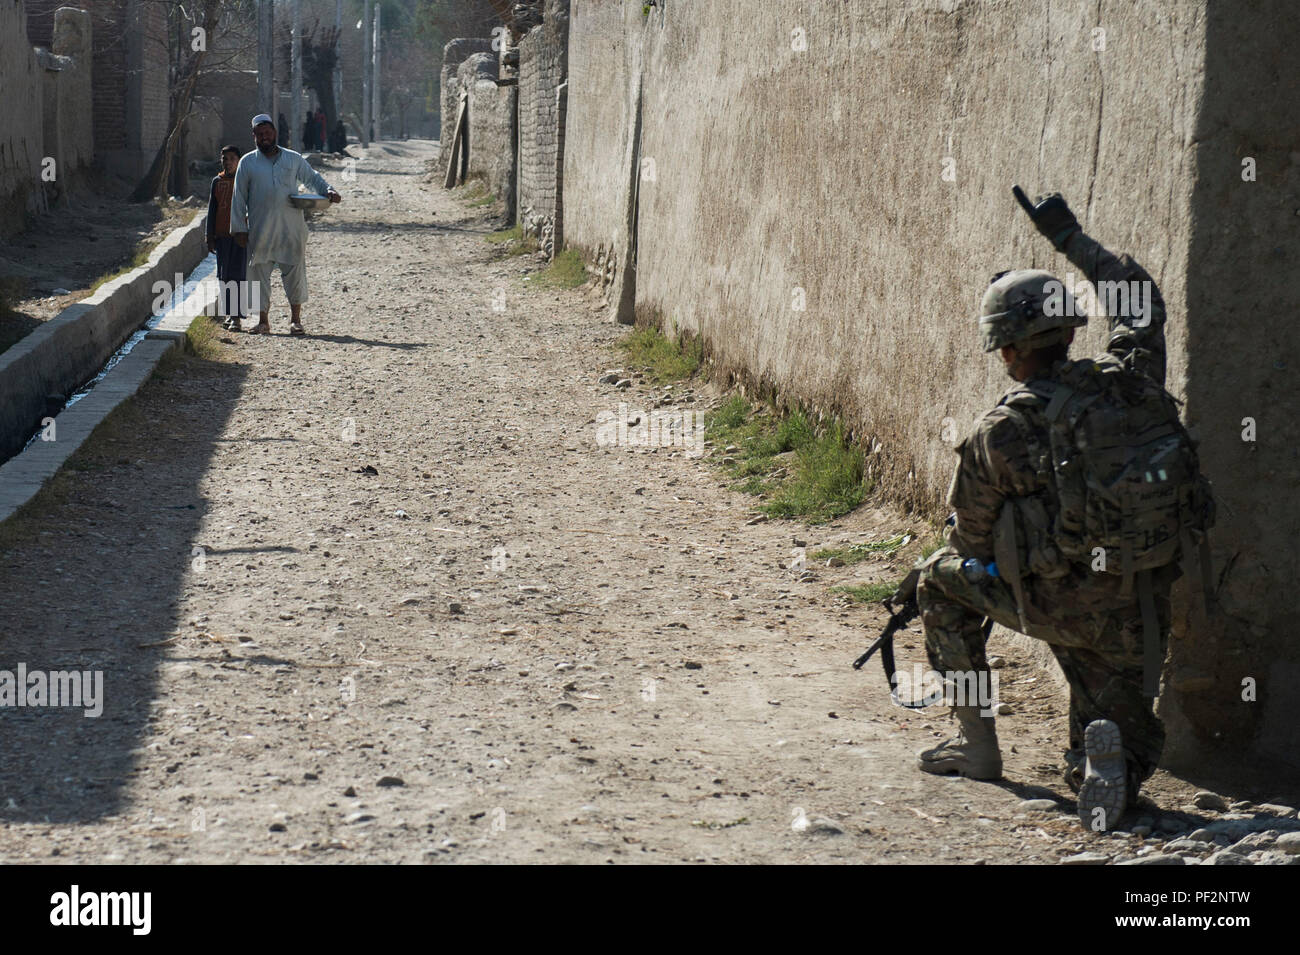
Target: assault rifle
(904, 598)
(903, 609)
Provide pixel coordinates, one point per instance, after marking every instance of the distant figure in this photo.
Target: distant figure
(284, 125)
(339, 138)
(232, 260)
(273, 230)
(308, 134)
(320, 128)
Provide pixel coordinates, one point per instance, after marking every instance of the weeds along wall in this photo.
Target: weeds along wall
(822, 191)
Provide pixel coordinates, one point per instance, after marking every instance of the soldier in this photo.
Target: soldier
(1003, 557)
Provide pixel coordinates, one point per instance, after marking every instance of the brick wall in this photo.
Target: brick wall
(543, 70)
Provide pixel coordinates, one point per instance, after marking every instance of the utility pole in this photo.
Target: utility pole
(338, 60)
(374, 73)
(295, 73)
(265, 60)
(366, 57)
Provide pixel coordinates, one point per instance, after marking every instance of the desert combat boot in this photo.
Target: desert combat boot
(973, 752)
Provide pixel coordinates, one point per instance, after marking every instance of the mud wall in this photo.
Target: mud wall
(1242, 355)
(22, 136)
(68, 95)
(453, 55)
(831, 195)
(491, 125)
(602, 165)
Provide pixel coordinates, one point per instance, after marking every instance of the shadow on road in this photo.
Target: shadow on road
(351, 340)
(91, 573)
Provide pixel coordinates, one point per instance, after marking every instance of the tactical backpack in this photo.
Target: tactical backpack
(1127, 480)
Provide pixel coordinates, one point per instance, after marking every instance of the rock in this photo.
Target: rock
(623, 383)
(563, 707)
(1289, 842)
(1003, 709)
(1086, 858)
(350, 792)
(390, 781)
(730, 449)
(1227, 857)
(409, 600)
(1187, 844)
(455, 608)
(310, 776)
(1209, 800)
(1168, 824)
(1276, 809)
(757, 519)
(692, 665)
(285, 615)
(1156, 858)
(835, 562)
(1039, 805)
(1250, 843)
(1141, 831)
(997, 663)
(563, 666)
(278, 827)
(821, 826)
(358, 817)
(1201, 835)
(608, 379)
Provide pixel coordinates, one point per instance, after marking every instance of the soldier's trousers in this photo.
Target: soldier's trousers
(1100, 654)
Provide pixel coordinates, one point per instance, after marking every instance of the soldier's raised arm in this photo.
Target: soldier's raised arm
(1125, 292)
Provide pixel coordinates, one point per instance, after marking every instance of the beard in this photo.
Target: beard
(268, 149)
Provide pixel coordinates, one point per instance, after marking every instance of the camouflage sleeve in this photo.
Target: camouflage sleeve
(1127, 294)
(995, 464)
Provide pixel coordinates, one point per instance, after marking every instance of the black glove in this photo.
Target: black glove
(1050, 215)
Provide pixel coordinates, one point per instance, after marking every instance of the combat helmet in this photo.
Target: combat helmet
(1027, 307)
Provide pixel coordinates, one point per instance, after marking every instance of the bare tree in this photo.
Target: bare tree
(194, 33)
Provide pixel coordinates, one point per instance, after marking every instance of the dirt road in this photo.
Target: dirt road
(378, 595)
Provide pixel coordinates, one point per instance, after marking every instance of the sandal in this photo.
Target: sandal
(296, 329)
(260, 329)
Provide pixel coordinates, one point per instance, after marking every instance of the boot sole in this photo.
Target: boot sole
(1105, 781)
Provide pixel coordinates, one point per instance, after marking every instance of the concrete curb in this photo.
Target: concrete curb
(23, 476)
(55, 359)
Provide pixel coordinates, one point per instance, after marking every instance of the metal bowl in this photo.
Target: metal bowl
(309, 201)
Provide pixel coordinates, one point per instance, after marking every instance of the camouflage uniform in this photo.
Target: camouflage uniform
(1095, 634)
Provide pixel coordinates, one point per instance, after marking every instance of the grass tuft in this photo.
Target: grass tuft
(202, 339)
(866, 593)
(666, 359)
(567, 270)
(856, 553)
(800, 470)
(514, 240)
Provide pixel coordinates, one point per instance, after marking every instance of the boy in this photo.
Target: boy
(232, 259)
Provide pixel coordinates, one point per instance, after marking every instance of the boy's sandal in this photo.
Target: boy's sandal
(296, 329)
(260, 329)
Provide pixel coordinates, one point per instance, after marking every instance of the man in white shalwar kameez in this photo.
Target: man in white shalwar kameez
(274, 231)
